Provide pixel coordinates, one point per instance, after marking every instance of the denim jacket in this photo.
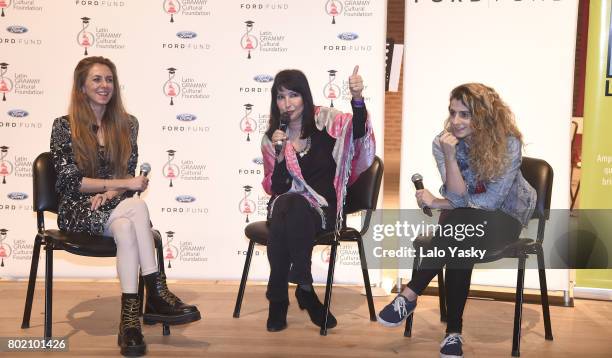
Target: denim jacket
(509, 192)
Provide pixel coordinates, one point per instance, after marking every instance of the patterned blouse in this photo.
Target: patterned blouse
(74, 212)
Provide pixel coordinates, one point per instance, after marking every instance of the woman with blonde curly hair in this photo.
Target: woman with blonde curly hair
(479, 158)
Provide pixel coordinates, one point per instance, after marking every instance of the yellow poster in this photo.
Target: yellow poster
(596, 177)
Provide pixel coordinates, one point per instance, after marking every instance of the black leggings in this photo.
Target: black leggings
(500, 229)
(293, 227)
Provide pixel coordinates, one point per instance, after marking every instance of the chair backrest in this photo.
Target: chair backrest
(44, 195)
(363, 194)
(540, 175)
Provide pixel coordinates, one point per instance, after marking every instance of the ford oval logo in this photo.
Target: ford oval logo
(264, 78)
(348, 36)
(17, 196)
(16, 29)
(186, 117)
(258, 160)
(18, 113)
(185, 199)
(186, 34)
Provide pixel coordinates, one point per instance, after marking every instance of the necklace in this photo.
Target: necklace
(306, 149)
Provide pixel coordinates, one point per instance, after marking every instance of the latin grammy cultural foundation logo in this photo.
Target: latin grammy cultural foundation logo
(247, 206)
(172, 7)
(6, 167)
(247, 124)
(170, 170)
(6, 84)
(345, 255)
(4, 4)
(5, 249)
(331, 90)
(171, 88)
(333, 8)
(85, 38)
(171, 251)
(249, 41)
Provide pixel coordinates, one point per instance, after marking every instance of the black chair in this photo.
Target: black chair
(361, 196)
(46, 199)
(540, 175)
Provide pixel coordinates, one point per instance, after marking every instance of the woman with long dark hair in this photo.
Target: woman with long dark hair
(95, 152)
(479, 159)
(307, 168)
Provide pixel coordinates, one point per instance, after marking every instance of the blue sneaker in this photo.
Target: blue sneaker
(396, 312)
(451, 346)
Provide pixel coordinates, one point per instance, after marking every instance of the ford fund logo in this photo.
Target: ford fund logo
(17, 196)
(18, 113)
(186, 117)
(263, 78)
(186, 35)
(185, 199)
(348, 36)
(16, 29)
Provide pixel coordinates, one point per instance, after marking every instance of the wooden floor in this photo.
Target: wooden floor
(88, 314)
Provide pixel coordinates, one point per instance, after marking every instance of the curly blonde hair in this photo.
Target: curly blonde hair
(492, 122)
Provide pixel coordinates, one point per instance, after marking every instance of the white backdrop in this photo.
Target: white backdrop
(200, 63)
(523, 49)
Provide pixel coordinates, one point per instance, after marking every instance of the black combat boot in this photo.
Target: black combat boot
(308, 300)
(130, 334)
(163, 306)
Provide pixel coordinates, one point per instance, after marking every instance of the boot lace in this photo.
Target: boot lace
(399, 306)
(129, 314)
(164, 292)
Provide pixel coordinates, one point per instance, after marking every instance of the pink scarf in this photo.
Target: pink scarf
(352, 158)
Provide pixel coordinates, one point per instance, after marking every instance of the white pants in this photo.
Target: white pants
(130, 226)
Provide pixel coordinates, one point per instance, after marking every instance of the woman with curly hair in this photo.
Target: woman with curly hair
(479, 158)
(94, 150)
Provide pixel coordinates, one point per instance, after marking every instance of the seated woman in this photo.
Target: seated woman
(306, 171)
(95, 153)
(479, 159)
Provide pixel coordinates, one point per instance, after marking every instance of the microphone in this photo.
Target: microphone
(284, 123)
(145, 169)
(417, 179)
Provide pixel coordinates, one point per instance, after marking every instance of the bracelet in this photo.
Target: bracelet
(358, 102)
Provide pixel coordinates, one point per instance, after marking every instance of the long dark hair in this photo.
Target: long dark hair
(115, 124)
(293, 80)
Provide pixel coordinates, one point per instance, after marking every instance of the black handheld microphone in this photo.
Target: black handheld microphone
(284, 123)
(417, 179)
(145, 169)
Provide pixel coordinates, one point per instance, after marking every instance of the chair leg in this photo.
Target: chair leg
(140, 293)
(48, 291)
(245, 276)
(27, 311)
(442, 295)
(518, 309)
(159, 247)
(328, 288)
(409, 319)
(544, 296)
(366, 279)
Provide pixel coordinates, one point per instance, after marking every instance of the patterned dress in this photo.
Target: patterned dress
(74, 212)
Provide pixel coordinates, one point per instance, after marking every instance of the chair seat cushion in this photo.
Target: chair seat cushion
(259, 232)
(84, 244)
